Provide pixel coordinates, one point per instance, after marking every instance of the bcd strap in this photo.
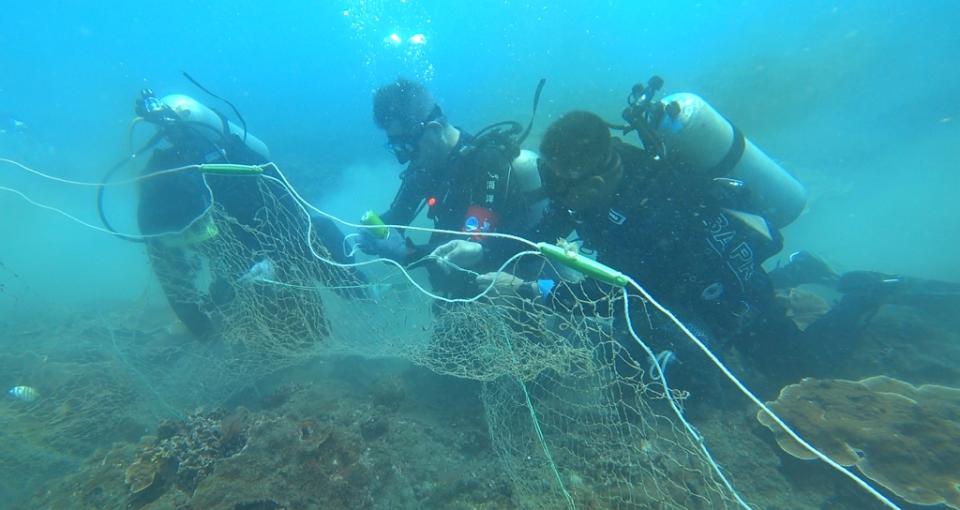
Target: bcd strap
(733, 155)
(224, 126)
(493, 153)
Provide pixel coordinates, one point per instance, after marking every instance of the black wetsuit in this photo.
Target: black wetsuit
(677, 241)
(477, 177)
(268, 224)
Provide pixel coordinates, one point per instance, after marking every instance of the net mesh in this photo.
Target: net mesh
(577, 412)
(574, 417)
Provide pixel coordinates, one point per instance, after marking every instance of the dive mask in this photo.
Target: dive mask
(406, 146)
(580, 187)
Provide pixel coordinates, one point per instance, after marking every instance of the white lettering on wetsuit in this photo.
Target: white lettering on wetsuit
(738, 256)
(616, 217)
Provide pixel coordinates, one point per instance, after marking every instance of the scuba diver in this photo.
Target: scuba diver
(211, 237)
(469, 183)
(652, 221)
(691, 215)
(862, 291)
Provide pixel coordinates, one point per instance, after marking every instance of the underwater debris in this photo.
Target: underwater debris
(900, 436)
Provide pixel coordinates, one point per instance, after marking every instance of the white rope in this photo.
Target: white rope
(673, 404)
(753, 398)
(305, 207)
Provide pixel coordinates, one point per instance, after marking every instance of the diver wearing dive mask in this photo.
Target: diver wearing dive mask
(579, 187)
(650, 221)
(404, 143)
(476, 184)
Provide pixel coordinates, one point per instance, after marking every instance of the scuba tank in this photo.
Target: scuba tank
(685, 130)
(181, 118)
(209, 123)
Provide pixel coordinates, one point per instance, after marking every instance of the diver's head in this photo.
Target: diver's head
(416, 127)
(578, 166)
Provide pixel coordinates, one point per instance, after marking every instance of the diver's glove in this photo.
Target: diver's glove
(803, 267)
(264, 271)
(458, 254)
(506, 284)
(393, 247)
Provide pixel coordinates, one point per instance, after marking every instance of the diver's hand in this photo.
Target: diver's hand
(393, 247)
(458, 254)
(505, 284)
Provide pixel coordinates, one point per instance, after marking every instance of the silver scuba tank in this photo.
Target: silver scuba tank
(695, 135)
(209, 123)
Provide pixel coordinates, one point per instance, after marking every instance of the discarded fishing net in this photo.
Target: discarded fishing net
(249, 290)
(577, 406)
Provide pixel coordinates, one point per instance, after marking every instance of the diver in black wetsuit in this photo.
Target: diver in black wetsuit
(266, 220)
(678, 238)
(670, 233)
(481, 183)
(863, 292)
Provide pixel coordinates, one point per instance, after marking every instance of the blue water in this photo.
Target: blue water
(858, 99)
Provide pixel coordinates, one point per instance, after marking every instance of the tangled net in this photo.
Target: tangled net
(578, 409)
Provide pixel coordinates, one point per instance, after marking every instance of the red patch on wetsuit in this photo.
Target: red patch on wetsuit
(479, 219)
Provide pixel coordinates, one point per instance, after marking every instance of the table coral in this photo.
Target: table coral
(902, 437)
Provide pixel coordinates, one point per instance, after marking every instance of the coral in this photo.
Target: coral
(188, 450)
(802, 306)
(323, 448)
(902, 437)
(292, 463)
(141, 475)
